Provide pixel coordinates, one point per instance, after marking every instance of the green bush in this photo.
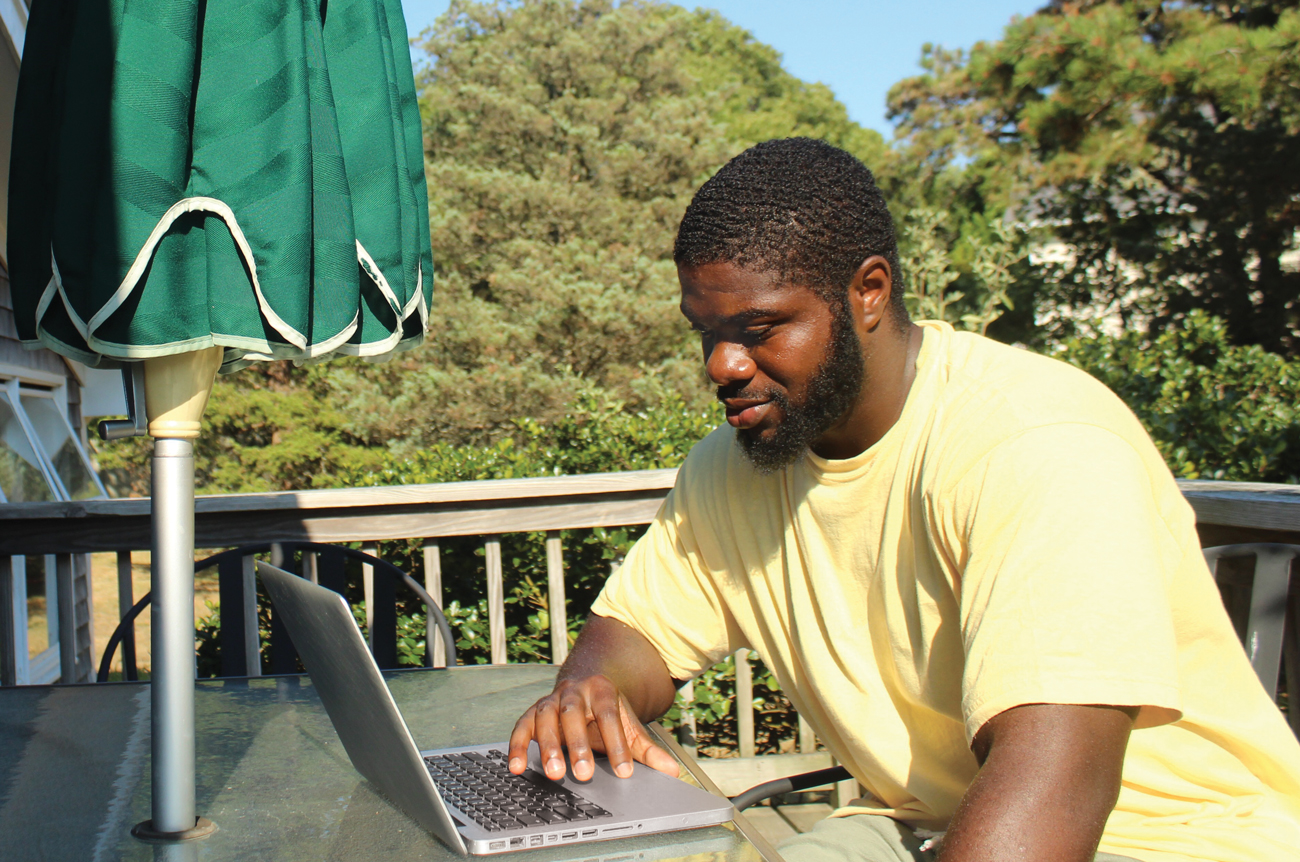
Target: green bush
(1215, 410)
(776, 723)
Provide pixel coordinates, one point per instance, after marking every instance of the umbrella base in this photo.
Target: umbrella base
(203, 827)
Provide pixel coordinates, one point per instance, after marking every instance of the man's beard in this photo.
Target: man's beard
(833, 389)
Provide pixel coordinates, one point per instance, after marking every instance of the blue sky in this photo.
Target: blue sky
(858, 49)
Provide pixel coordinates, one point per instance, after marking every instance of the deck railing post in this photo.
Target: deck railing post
(8, 625)
(496, 599)
(84, 612)
(807, 739)
(125, 599)
(556, 604)
(433, 586)
(368, 583)
(686, 732)
(18, 594)
(67, 600)
(744, 703)
(846, 791)
(252, 633)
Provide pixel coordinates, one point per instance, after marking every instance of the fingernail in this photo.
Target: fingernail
(623, 770)
(555, 765)
(516, 763)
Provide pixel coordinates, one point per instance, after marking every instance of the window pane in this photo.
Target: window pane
(20, 476)
(57, 440)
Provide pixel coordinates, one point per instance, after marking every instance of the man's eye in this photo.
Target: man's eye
(758, 333)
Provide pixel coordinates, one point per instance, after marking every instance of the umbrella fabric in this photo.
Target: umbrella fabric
(245, 174)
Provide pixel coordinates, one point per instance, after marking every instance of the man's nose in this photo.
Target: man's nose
(728, 363)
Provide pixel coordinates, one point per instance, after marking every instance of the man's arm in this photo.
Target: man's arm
(612, 682)
(1049, 777)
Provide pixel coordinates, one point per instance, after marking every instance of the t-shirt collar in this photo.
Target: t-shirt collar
(934, 338)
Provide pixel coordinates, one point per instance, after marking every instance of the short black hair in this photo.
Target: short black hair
(797, 207)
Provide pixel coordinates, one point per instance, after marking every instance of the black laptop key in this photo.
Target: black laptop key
(569, 813)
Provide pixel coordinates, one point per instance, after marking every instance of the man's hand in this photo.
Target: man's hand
(613, 681)
(1049, 777)
(585, 715)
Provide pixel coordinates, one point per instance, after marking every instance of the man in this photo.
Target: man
(966, 564)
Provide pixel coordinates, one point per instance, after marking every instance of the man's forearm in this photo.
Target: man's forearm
(618, 652)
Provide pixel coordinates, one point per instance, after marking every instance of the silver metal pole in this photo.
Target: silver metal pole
(173, 635)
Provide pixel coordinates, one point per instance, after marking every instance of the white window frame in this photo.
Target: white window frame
(60, 398)
(17, 383)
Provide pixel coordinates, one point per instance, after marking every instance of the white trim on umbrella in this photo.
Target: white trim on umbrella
(254, 349)
(188, 205)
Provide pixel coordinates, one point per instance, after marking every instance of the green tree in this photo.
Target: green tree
(1215, 410)
(564, 140)
(1156, 140)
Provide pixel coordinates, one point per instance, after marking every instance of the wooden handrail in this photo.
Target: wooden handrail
(460, 509)
(348, 514)
(1254, 505)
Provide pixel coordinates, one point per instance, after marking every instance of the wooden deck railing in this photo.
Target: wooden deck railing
(1226, 511)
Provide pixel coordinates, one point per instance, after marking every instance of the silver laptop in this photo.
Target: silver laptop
(466, 796)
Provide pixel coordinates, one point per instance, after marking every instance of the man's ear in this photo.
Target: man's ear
(870, 291)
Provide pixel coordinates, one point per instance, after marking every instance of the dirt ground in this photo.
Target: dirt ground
(103, 571)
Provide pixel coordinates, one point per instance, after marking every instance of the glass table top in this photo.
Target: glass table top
(272, 774)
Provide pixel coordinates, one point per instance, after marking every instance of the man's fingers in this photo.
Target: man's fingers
(550, 737)
(643, 746)
(582, 717)
(573, 723)
(609, 719)
(523, 734)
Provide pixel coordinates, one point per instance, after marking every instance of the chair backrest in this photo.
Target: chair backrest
(238, 638)
(1270, 632)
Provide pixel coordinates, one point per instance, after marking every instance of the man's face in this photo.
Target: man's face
(787, 363)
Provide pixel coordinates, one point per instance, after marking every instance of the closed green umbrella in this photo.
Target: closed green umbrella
(242, 174)
(197, 184)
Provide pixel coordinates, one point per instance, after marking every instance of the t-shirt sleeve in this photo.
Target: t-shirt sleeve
(664, 592)
(1064, 564)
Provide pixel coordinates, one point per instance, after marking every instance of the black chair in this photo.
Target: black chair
(805, 781)
(233, 585)
(1265, 611)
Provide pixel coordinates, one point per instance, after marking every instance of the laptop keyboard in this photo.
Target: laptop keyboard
(482, 787)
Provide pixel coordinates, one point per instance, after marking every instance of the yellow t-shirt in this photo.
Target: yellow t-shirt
(1015, 538)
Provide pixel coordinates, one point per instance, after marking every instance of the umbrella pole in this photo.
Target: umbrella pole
(173, 667)
(176, 391)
